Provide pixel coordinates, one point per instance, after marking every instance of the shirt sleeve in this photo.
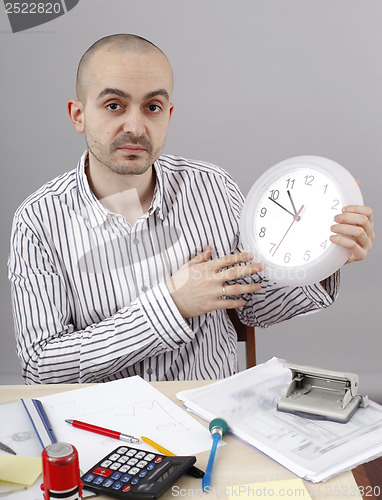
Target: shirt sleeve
(275, 303)
(49, 346)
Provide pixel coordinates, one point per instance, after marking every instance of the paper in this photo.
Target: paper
(18, 492)
(313, 449)
(17, 432)
(131, 406)
(292, 488)
(20, 470)
(8, 488)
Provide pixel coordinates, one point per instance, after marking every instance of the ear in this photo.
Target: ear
(171, 110)
(76, 114)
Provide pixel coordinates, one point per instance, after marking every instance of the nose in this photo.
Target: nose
(134, 122)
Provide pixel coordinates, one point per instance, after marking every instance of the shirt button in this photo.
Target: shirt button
(136, 241)
(149, 371)
(144, 288)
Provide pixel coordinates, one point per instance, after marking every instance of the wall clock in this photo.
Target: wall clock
(287, 216)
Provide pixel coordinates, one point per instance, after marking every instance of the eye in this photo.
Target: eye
(113, 106)
(154, 108)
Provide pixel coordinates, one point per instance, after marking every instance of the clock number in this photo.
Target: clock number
(335, 204)
(307, 255)
(262, 232)
(274, 194)
(263, 212)
(308, 180)
(272, 247)
(287, 257)
(290, 183)
(325, 188)
(323, 244)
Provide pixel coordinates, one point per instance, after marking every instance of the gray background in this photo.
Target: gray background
(256, 82)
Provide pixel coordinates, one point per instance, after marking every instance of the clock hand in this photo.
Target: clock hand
(295, 217)
(277, 203)
(290, 197)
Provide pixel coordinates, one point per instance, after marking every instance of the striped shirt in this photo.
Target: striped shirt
(89, 292)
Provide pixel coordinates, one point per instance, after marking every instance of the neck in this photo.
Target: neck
(128, 195)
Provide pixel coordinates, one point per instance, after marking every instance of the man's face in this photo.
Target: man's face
(127, 109)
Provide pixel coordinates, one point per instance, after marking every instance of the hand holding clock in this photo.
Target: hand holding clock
(354, 231)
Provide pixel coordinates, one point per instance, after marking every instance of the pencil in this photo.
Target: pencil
(157, 446)
(193, 471)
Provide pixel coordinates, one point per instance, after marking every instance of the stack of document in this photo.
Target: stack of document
(315, 450)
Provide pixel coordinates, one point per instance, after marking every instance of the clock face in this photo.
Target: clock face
(287, 217)
(288, 239)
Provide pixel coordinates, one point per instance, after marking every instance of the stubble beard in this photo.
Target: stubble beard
(131, 164)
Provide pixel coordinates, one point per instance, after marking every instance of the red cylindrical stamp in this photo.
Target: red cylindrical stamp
(61, 472)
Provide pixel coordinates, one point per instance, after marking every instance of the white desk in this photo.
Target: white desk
(235, 464)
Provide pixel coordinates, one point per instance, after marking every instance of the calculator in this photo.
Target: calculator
(135, 474)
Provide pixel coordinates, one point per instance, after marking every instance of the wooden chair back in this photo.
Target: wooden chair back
(245, 334)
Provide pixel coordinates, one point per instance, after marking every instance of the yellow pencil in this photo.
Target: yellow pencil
(193, 471)
(157, 446)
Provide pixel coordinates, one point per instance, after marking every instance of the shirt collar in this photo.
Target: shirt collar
(94, 211)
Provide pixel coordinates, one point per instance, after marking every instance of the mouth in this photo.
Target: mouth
(131, 149)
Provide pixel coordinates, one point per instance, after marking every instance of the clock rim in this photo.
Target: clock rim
(331, 259)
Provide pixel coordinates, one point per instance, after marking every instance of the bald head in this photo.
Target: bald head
(122, 43)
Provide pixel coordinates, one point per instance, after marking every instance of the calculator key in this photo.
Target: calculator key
(117, 486)
(89, 478)
(132, 461)
(142, 464)
(122, 450)
(108, 483)
(149, 457)
(142, 473)
(124, 468)
(98, 480)
(134, 471)
(115, 466)
(158, 460)
(141, 454)
(126, 488)
(131, 452)
(100, 471)
(115, 475)
(114, 457)
(106, 463)
(150, 466)
(126, 478)
(135, 480)
(123, 459)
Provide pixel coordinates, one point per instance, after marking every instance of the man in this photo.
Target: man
(126, 265)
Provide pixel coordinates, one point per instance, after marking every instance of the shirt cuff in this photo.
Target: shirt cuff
(164, 317)
(323, 294)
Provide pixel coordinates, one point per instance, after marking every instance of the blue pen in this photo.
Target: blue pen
(40, 421)
(218, 427)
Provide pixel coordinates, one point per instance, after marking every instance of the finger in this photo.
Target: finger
(357, 219)
(233, 290)
(360, 209)
(356, 251)
(230, 260)
(239, 271)
(356, 232)
(229, 304)
(202, 257)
